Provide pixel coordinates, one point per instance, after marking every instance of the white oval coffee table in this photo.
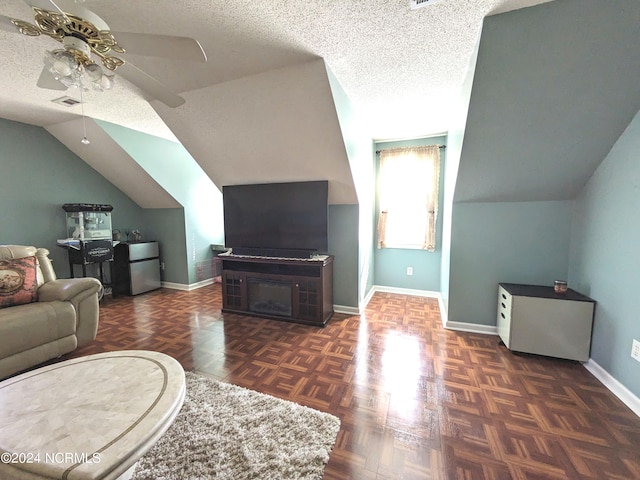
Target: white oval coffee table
(88, 418)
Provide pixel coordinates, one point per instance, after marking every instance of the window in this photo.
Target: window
(408, 195)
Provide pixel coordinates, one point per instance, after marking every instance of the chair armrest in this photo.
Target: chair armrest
(66, 289)
(82, 293)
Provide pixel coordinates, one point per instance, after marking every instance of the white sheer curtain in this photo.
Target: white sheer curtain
(408, 196)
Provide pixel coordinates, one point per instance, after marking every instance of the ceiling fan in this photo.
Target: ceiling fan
(84, 36)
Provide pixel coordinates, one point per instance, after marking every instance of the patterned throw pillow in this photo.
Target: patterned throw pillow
(18, 282)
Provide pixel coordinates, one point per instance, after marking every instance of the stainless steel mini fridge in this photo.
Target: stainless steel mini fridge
(136, 268)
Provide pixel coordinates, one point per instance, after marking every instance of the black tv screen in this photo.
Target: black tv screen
(271, 219)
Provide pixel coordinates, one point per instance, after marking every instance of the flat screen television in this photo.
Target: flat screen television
(276, 219)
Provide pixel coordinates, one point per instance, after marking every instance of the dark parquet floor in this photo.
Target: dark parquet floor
(416, 401)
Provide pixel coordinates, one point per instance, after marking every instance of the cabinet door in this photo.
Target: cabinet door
(307, 299)
(145, 276)
(234, 290)
(553, 327)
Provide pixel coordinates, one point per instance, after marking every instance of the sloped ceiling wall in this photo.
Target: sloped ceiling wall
(108, 158)
(555, 86)
(276, 126)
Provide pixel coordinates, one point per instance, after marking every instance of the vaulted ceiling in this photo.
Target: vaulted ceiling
(400, 67)
(261, 108)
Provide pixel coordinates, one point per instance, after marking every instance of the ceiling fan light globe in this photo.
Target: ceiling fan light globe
(61, 68)
(83, 82)
(106, 82)
(94, 72)
(69, 81)
(61, 63)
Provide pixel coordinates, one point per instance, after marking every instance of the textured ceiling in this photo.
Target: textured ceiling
(401, 68)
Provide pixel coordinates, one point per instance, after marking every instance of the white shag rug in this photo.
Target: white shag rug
(227, 432)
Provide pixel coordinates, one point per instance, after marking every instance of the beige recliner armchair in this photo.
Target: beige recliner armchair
(62, 317)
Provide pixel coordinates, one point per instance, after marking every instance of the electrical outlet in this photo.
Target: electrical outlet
(635, 350)
(161, 265)
(409, 270)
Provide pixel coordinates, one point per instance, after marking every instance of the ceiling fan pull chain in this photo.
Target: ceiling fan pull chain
(85, 140)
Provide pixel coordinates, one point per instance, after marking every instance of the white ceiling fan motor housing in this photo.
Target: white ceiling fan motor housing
(78, 44)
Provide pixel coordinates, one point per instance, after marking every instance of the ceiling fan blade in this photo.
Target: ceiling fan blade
(48, 81)
(166, 46)
(70, 7)
(147, 83)
(6, 25)
(50, 5)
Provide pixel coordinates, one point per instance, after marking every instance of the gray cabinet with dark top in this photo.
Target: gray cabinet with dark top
(535, 319)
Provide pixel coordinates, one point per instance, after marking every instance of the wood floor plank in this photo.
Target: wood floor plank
(415, 400)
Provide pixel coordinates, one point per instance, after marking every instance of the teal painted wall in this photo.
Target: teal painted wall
(343, 245)
(455, 140)
(359, 148)
(169, 164)
(39, 175)
(167, 226)
(524, 242)
(605, 263)
(390, 264)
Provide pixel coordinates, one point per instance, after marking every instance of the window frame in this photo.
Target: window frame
(412, 163)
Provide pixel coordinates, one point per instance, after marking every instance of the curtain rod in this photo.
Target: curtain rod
(439, 146)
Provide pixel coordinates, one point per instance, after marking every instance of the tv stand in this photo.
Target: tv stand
(292, 289)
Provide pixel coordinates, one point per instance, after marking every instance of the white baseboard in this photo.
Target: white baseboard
(404, 291)
(367, 299)
(444, 315)
(472, 328)
(346, 309)
(187, 287)
(623, 393)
